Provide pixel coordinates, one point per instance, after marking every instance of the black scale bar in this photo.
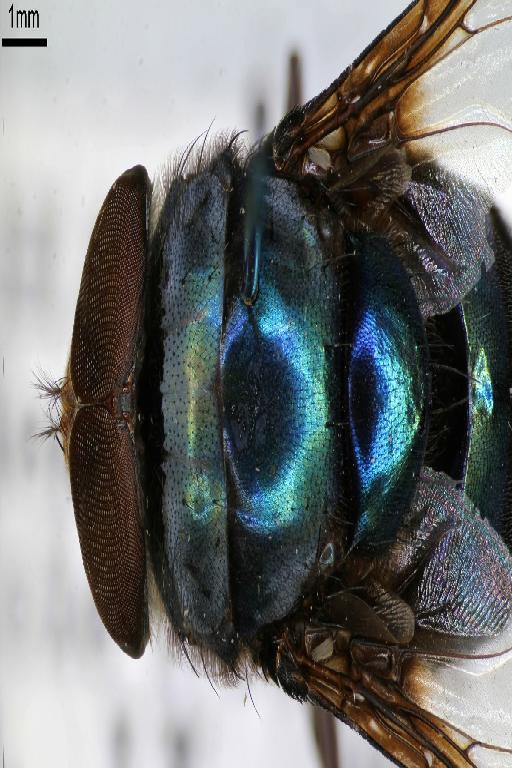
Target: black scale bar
(24, 42)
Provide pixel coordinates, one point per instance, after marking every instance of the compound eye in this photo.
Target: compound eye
(109, 303)
(101, 448)
(105, 499)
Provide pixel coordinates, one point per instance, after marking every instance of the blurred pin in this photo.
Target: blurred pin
(255, 189)
(260, 120)
(295, 98)
(253, 227)
(324, 727)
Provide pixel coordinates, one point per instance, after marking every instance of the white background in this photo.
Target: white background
(120, 84)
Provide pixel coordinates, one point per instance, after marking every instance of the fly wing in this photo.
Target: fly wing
(414, 141)
(421, 709)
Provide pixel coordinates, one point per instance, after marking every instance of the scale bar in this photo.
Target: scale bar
(24, 42)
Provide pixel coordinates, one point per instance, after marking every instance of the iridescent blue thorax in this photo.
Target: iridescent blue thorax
(388, 390)
(251, 397)
(281, 396)
(291, 400)
(487, 463)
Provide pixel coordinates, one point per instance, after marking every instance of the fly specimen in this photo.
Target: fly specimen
(286, 413)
